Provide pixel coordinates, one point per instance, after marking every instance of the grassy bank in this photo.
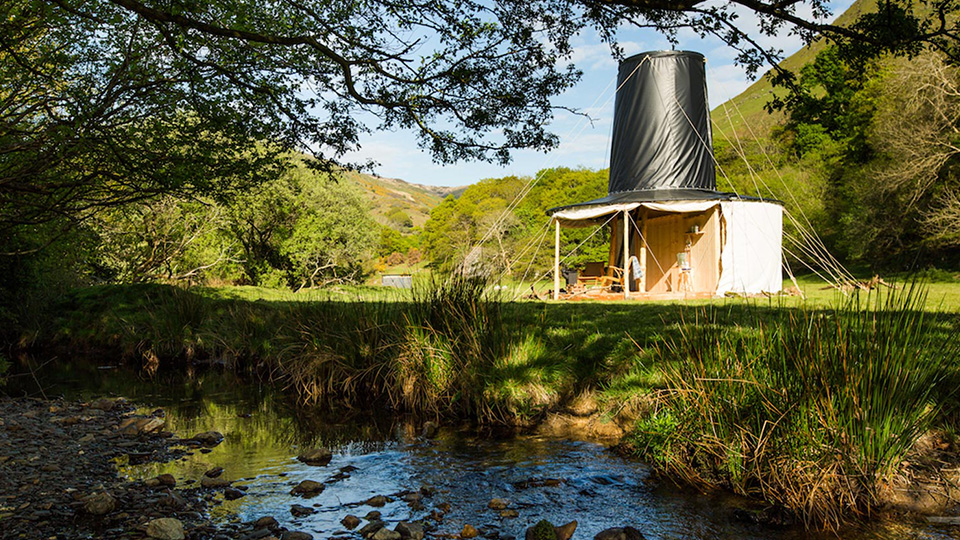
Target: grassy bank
(808, 404)
(809, 409)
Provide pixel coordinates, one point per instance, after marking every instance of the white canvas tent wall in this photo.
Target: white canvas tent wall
(736, 249)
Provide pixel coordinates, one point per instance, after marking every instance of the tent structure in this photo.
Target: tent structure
(673, 233)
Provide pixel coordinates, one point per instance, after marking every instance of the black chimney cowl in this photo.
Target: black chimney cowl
(661, 127)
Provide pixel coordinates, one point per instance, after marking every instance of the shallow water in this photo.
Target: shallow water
(556, 479)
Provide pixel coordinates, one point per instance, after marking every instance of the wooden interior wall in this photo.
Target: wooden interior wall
(664, 241)
(705, 249)
(616, 241)
(668, 235)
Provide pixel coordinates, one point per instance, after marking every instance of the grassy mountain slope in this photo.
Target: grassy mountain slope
(387, 195)
(744, 116)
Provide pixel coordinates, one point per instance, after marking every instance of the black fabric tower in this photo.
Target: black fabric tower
(661, 126)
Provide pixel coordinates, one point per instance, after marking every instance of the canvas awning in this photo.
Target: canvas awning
(658, 201)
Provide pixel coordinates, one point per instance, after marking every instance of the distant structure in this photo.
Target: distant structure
(673, 234)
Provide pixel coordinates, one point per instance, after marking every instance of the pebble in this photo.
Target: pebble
(307, 488)
(378, 500)
(350, 522)
(165, 529)
(296, 535)
(298, 510)
(619, 533)
(469, 531)
(385, 534)
(367, 530)
(214, 483)
(317, 457)
(208, 438)
(232, 494)
(99, 504)
(266, 522)
(498, 504)
(411, 530)
(214, 472)
(565, 532)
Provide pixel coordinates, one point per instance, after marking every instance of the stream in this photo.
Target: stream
(383, 454)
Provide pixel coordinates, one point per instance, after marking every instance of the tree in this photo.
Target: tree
(915, 132)
(111, 101)
(301, 230)
(511, 229)
(884, 137)
(164, 239)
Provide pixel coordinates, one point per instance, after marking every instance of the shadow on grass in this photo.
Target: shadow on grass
(454, 355)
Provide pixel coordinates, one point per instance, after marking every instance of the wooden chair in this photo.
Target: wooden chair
(598, 273)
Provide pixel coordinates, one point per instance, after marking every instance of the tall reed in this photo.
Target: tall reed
(431, 355)
(810, 410)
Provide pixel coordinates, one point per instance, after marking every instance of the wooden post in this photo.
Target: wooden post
(626, 254)
(643, 251)
(556, 262)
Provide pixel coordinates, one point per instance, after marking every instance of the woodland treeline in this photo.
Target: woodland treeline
(867, 154)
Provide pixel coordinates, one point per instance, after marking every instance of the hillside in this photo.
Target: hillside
(744, 116)
(393, 200)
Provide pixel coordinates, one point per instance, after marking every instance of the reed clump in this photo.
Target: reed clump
(810, 410)
(438, 354)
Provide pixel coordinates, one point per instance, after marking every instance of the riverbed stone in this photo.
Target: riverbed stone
(498, 504)
(308, 488)
(208, 438)
(372, 515)
(509, 513)
(316, 457)
(350, 522)
(165, 529)
(166, 480)
(135, 426)
(214, 483)
(378, 501)
(411, 530)
(385, 534)
(257, 534)
(214, 472)
(543, 530)
(469, 531)
(298, 510)
(619, 533)
(232, 494)
(296, 535)
(99, 504)
(565, 532)
(370, 528)
(266, 522)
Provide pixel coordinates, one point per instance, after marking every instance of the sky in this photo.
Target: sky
(582, 143)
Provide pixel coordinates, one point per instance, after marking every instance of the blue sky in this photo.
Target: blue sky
(582, 143)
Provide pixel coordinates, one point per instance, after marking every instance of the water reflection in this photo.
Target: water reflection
(544, 478)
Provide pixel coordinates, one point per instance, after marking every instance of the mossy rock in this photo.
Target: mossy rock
(543, 530)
